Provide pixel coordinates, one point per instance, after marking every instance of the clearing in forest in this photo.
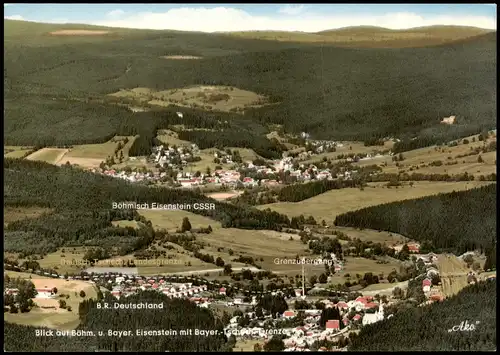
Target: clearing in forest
(211, 98)
(181, 57)
(48, 155)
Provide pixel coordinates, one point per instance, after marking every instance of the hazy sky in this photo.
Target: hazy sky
(241, 17)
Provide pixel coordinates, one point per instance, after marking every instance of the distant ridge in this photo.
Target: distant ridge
(372, 36)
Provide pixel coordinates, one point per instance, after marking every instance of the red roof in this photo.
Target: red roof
(426, 282)
(342, 305)
(333, 324)
(222, 289)
(289, 314)
(356, 317)
(436, 297)
(345, 321)
(371, 305)
(247, 179)
(362, 300)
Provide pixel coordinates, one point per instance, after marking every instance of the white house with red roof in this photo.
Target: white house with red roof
(342, 305)
(332, 325)
(44, 292)
(426, 285)
(288, 314)
(222, 291)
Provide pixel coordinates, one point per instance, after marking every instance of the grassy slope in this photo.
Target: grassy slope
(332, 203)
(372, 37)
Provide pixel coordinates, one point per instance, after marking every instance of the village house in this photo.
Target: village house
(332, 325)
(370, 318)
(44, 292)
(426, 285)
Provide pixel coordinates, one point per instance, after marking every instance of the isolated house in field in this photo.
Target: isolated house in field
(43, 292)
(449, 120)
(414, 247)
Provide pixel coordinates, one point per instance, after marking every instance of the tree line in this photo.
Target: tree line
(82, 203)
(456, 221)
(427, 328)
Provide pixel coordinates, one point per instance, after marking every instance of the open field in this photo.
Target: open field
(181, 57)
(217, 98)
(221, 196)
(172, 220)
(91, 155)
(49, 155)
(361, 266)
(348, 148)
(12, 214)
(332, 203)
(124, 223)
(375, 236)
(69, 259)
(16, 151)
(78, 33)
(54, 318)
(368, 36)
(170, 137)
(383, 288)
(425, 156)
(246, 345)
(453, 273)
(258, 244)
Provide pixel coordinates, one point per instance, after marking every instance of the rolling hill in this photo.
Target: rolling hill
(332, 92)
(372, 36)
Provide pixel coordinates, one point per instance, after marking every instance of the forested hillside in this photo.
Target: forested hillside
(428, 328)
(331, 92)
(82, 203)
(456, 222)
(177, 314)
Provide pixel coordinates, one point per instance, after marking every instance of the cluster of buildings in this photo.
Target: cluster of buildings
(301, 338)
(172, 156)
(135, 176)
(413, 247)
(126, 285)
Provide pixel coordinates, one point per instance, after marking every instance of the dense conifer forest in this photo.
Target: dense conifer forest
(344, 93)
(427, 328)
(82, 203)
(455, 222)
(300, 192)
(177, 314)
